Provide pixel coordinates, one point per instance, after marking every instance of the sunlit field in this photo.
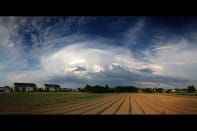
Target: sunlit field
(82, 103)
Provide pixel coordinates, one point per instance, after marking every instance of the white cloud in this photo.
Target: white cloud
(177, 59)
(15, 58)
(11, 53)
(133, 32)
(97, 68)
(95, 63)
(163, 48)
(95, 59)
(6, 31)
(82, 58)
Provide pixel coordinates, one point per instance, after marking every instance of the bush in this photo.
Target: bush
(148, 90)
(191, 89)
(159, 90)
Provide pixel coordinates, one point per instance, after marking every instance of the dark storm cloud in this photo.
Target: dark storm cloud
(78, 68)
(146, 70)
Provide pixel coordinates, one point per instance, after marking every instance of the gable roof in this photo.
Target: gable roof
(52, 85)
(4, 88)
(25, 84)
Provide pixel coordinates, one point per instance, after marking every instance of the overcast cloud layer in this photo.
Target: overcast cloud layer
(75, 51)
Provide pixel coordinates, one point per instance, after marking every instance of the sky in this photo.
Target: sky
(73, 51)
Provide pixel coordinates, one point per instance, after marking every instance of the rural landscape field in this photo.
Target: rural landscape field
(98, 65)
(83, 103)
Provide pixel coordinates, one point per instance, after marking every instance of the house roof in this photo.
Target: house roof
(25, 84)
(5, 87)
(52, 85)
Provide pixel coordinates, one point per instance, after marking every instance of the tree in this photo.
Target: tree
(87, 88)
(80, 89)
(191, 89)
(159, 90)
(148, 90)
(177, 89)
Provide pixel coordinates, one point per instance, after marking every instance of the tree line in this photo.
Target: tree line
(105, 89)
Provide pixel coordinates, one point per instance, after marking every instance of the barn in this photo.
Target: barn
(24, 87)
(52, 87)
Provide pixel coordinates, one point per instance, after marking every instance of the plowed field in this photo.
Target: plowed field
(127, 104)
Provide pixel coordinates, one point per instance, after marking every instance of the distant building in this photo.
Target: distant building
(140, 91)
(80, 89)
(165, 90)
(169, 90)
(24, 87)
(64, 89)
(5, 89)
(76, 90)
(52, 87)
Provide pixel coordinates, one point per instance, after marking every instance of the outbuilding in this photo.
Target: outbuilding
(52, 87)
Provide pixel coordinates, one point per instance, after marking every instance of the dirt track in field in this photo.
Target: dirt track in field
(127, 104)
